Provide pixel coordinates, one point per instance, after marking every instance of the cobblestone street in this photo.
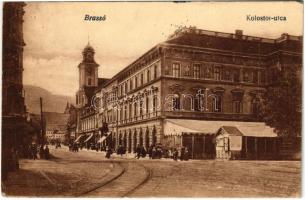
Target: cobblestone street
(88, 173)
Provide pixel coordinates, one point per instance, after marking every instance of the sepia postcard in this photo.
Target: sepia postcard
(151, 99)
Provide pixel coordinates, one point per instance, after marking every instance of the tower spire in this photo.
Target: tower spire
(88, 40)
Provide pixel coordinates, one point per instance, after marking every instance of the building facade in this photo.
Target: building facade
(13, 107)
(204, 78)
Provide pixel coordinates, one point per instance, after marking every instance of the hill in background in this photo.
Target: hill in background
(51, 102)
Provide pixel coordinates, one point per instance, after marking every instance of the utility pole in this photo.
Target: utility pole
(41, 123)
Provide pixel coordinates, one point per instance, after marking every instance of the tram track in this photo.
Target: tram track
(121, 183)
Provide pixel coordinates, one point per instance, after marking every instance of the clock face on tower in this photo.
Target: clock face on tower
(89, 70)
(89, 56)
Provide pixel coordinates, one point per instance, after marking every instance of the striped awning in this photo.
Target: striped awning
(103, 138)
(89, 137)
(78, 138)
(185, 126)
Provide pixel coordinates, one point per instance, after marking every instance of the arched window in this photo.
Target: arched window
(237, 99)
(198, 100)
(141, 107)
(135, 110)
(176, 102)
(130, 111)
(154, 103)
(147, 104)
(217, 103)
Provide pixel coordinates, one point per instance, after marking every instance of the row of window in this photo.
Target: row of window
(134, 110)
(199, 104)
(138, 80)
(89, 123)
(217, 73)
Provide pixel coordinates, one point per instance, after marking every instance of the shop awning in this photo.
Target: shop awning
(184, 126)
(78, 138)
(89, 137)
(103, 138)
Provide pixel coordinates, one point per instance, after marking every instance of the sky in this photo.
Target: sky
(55, 33)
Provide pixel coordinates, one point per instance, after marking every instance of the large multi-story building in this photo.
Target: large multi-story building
(13, 107)
(196, 84)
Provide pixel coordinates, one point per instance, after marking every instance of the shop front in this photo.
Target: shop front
(247, 142)
(222, 139)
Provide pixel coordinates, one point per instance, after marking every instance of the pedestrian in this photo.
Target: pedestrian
(47, 152)
(120, 150)
(153, 152)
(179, 153)
(186, 154)
(175, 154)
(138, 151)
(143, 152)
(150, 152)
(159, 152)
(108, 152)
(34, 151)
(41, 152)
(182, 154)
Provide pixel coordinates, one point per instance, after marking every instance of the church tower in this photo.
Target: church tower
(88, 69)
(88, 77)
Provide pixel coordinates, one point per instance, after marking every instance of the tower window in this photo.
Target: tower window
(89, 81)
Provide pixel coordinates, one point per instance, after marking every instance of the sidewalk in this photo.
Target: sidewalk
(29, 182)
(65, 175)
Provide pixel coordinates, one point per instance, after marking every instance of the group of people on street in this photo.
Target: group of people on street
(153, 151)
(44, 152)
(140, 152)
(179, 153)
(73, 147)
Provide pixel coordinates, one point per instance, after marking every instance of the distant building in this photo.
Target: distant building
(56, 126)
(72, 121)
(194, 88)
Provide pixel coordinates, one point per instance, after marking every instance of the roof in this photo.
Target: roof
(180, 126)
(193, 37)
(232, 130)
(102, 81)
